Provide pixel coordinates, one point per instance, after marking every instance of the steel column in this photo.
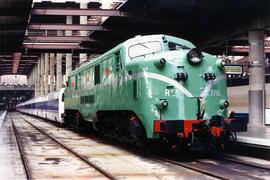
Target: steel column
(83, 58)
(69, 22)
(41, 81)
(256, 78)
(30, 78)
(83, 20)
(37, 85)
(52, 65)
(68, 64)
(68, 55)
(46, 86)
(34, 74)
(59, 77)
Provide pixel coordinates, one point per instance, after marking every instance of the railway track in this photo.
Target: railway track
(235, 159)
(200, 170)
(215, 168)
(223, 167)
(220, 172)
(105, 173)
(168, 170)
(22, 152)
(26, 162)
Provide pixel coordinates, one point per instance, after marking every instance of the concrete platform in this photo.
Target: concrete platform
(2, 117)
(259, 136)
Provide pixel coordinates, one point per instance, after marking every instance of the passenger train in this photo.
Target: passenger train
(149, 88)
(50, 107)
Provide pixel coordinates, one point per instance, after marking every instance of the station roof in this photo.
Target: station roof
(215, 26)
(209, 24)
(13, 21)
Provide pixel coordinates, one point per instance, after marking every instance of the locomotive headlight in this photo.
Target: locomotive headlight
(160, 63)
(223, 104)
(162, 104)
(195, 56)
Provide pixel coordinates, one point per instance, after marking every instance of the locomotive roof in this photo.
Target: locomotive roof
(129, 42)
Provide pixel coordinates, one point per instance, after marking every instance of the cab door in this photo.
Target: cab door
(79, 90)
(121, 83)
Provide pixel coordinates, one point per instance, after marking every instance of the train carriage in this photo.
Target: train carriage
(49, 107)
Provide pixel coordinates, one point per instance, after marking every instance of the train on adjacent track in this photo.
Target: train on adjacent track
(49, 107)
(154, 87)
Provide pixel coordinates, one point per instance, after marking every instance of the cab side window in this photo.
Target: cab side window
(97, 74)
(76, 82)
(118, 61)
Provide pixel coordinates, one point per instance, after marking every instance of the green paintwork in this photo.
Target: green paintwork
(140, 84)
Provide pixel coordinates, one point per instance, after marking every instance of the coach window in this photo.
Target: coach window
(118, 61)
(97, 74)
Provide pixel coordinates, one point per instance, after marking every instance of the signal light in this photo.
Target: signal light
(226, 104)
(164, 104)
(223, 104)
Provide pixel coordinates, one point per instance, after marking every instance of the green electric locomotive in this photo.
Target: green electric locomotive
(152, 87)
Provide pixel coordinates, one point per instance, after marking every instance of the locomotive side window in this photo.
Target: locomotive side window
(175, 46)
(142, 49)
(76, 82)
(118, 61)
(97, 74)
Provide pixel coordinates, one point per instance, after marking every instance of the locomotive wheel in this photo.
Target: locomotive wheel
(118, 125)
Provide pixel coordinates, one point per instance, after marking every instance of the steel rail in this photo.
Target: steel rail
(83, 158)
(242, 162)
(202, 171)
(22, 152)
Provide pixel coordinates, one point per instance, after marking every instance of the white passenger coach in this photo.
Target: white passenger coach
(49, 107)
